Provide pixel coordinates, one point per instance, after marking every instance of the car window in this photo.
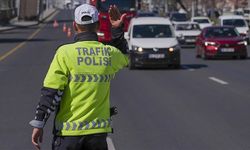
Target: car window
(152, 31)
(179, 17)
(187, 27)
(146, 14)
(201, 20)
(234, 22)
(221, 32)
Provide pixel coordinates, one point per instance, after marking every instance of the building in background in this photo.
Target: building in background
(23, 9)
(7, 10)
(30, 9)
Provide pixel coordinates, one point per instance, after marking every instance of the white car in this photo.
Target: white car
(152, 43)
(187, 32)
(238, 22)
(202, 21)
(246, 13)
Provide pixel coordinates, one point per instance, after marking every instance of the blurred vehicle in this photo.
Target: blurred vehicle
(239, 12)
(221, 41)
(246, 14)
(236, 21)
(178, 17)
(202, 21)
(76, 3)
(125, 6)
(67, 4)
(145, 14)
(152, 42)
(71, 4)
(246, 11)
(187, 32)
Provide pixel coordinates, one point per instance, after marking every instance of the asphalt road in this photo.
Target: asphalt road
(202, 106)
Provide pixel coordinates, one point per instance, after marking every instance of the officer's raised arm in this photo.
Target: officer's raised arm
(116, 20)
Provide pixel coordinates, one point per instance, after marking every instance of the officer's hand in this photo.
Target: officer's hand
(115, 17)
(37, 137)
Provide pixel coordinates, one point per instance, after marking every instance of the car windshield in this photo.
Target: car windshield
(201, 20)
(234, 22)
(179, 17)
(148, 14)
(180, 27)
(221, 32)
(124, 5)
(152, 31)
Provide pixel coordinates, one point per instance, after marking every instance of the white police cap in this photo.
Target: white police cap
(86, 10)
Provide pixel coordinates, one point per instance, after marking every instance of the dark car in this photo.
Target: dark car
(221, 41)
(178, 17)
(145, 14)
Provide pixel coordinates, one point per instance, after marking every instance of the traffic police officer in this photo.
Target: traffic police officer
(77, 85)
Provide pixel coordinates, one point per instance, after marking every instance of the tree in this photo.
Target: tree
(181, 4)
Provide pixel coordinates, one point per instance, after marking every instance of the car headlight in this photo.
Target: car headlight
(174, 48)
(210, 44)
(242, 43)
(136, 48)
(100, 34)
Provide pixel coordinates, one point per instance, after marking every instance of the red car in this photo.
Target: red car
(221, 41)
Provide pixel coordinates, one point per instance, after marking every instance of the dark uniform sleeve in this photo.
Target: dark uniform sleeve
(49, 102)
(118, 39)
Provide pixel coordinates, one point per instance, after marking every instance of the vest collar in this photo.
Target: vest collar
(86, 36)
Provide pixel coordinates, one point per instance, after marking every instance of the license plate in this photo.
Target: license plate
(227, 49)
(156, 56)
(190, 40)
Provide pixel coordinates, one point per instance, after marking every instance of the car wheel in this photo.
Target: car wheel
(243, 57)
(197, 52)
(177, 66)
(204, 56)
(131, 63)
(198, 56)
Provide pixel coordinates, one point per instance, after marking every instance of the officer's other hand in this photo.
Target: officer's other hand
(115, 17)
(37, 137)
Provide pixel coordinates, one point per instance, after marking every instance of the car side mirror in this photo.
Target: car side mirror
(126, 35)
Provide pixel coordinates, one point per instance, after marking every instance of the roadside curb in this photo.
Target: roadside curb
(6, 28)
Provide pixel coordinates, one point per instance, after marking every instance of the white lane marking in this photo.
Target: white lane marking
(191, 69)
(218, 80)
(111, 145)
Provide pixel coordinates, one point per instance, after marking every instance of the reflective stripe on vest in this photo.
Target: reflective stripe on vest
(91, 78)
(85, 125)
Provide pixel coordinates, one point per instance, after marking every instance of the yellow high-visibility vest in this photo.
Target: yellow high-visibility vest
(83, 70)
